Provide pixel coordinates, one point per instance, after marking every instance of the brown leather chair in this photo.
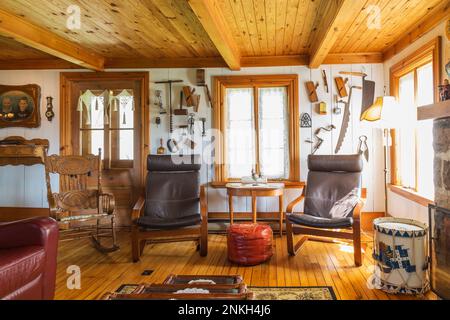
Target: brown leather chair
(330, 178)
(174, 207)
(28, 250)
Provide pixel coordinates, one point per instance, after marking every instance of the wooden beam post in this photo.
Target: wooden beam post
(43, 40)
(334, 18)
(212, 20)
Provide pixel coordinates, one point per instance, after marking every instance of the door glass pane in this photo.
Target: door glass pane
(97, 141)
(240, 136)
(425, 152)
(425, 90)
(274, 132)
(407, 144)
(126, 121)
(126, 146)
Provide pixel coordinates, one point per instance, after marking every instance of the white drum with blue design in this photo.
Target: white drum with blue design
(400, 251)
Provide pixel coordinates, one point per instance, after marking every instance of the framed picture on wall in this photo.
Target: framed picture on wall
(20, 106)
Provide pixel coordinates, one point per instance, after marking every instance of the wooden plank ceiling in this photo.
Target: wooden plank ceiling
(217, 33)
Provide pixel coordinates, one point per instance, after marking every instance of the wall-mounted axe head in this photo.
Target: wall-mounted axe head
(181, 111)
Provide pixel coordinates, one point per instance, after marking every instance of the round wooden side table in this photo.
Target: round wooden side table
(254, 191)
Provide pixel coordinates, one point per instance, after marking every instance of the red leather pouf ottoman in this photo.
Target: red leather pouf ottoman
(249, 244)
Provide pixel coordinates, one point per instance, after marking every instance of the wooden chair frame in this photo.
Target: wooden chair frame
(140, 237)
(77, 195)
(352, 234)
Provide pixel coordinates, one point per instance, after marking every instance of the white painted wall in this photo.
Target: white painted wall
(398, 205)
(25, 186)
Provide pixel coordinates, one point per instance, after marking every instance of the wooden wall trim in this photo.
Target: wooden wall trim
(224, 217)
(199, 62)
(13, 214)
(411, 195)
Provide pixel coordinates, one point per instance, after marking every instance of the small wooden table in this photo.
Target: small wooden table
(253, 191)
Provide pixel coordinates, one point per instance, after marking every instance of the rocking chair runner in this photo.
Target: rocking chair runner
(77, 200)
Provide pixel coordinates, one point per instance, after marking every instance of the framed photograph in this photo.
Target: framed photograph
(20, 106)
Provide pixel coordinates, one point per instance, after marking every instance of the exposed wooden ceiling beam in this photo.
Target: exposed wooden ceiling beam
(212, 20)
(213, 62)
(274, 61)
(333, 20)
(432, 19)
(41, 39)
(349, 58)
(138, 63)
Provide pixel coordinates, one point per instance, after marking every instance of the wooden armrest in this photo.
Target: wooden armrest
(294, 203)
(203, 203)
(358, 209)
(138, 208)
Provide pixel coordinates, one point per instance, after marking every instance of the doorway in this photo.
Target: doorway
(108, 113)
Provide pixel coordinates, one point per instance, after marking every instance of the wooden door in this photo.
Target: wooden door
(120, 129)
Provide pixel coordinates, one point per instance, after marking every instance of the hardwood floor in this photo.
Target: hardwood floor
(317, 264)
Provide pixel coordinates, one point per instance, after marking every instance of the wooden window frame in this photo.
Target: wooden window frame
(430, 52)
(290, 81)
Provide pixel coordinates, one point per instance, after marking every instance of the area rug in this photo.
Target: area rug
(293, 293)
(271, 293)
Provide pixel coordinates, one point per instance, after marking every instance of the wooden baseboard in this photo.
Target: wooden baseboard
(13, 214)
(366, 217)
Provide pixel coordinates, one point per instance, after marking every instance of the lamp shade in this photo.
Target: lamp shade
(385, 111)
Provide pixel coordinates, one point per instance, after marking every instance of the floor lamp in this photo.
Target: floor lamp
(383, 114)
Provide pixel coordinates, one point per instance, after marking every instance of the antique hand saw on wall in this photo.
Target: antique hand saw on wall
(345, 120)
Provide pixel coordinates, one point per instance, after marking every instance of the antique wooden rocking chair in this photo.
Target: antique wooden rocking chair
(81, 199)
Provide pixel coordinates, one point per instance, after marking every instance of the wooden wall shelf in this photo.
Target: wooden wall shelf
(434, 111)
(17, 151)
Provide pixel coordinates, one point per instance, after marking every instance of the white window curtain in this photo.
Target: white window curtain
(240, 137)
(274, 135)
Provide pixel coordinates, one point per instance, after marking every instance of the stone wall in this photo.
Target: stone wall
(441, 136)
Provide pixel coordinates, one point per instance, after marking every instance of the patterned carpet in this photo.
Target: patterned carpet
(273, 293)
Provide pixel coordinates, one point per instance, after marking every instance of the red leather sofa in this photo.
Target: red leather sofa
(28, 250)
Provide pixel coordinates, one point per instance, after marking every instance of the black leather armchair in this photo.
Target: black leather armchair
(174, 207)
(330, 178)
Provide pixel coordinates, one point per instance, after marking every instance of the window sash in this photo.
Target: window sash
(220, 85)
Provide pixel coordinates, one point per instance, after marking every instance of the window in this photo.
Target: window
(413, 81)
(257, 118)
(107, 122)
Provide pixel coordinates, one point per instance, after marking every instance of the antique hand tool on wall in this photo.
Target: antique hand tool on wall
(318, 134)
(363, 148)
(181, 111)
(325, 80)
(368, 90)
(201, 82)
(311, 88)
(340, 84)
(345, 120)
(171, 144)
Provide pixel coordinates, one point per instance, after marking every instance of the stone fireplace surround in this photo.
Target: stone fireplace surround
(441, 145)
